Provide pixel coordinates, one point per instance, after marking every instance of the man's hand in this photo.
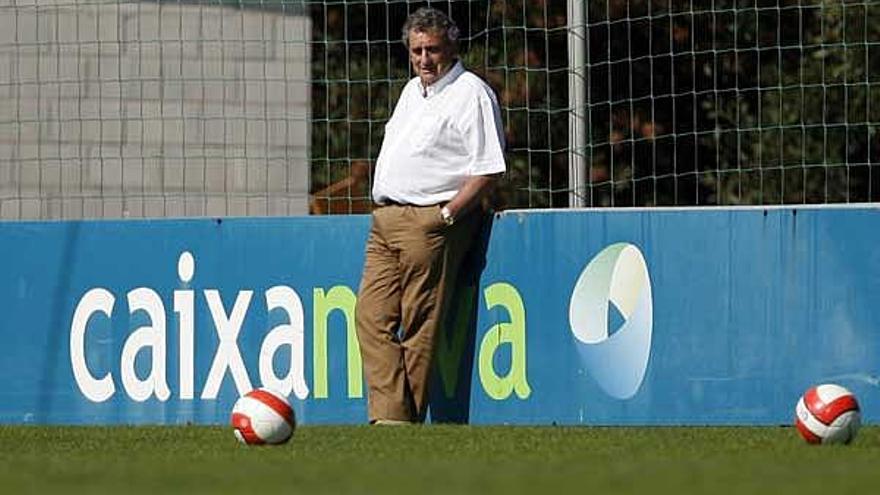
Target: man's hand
(474, 188)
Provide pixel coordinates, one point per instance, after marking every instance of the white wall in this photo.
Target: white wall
(151, 110)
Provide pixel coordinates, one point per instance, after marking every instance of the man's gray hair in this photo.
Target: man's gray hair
(430, 19)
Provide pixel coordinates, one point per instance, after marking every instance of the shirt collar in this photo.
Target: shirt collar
(444, 81)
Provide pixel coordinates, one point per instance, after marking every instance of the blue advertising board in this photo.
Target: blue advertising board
(642, 316)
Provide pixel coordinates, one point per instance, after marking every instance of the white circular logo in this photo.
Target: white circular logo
(616, 358)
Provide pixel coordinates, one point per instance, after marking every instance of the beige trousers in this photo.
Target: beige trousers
(410, 267)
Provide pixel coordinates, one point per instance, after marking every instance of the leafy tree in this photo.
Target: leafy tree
(689, 103)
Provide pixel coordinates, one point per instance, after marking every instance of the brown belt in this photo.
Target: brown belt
(397, 203)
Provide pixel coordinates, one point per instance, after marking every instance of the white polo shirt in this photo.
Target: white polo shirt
(437, 137)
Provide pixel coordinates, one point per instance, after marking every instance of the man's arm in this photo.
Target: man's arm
(474, 188)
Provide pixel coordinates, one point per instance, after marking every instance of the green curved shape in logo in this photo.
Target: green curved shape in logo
(618, 361)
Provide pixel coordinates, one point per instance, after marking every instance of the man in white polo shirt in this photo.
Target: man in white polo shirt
(442, 151)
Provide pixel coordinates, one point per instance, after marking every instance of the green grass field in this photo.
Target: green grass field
(435, 459)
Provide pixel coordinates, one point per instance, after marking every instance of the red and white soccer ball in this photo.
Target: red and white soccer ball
(263, 416)
(828, 413)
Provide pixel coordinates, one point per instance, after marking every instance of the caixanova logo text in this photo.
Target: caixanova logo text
(152, 339)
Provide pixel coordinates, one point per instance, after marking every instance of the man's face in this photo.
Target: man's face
(432, 55)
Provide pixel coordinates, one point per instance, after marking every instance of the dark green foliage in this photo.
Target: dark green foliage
(688, 103)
